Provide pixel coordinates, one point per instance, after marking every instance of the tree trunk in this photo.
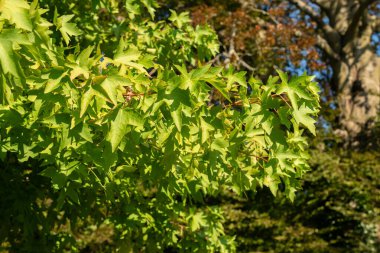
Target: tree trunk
(358, 95)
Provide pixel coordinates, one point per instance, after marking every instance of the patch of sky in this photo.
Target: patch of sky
(375, 41)
(325, 20)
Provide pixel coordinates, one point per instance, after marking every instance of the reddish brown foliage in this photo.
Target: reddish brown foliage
(264, 36)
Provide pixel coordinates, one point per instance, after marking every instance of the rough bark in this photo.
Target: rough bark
(345, 40)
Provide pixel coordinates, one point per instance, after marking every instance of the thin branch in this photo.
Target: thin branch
(100, 181)
(215, 59)
(283, 99)
(266, 14)
(259, 158)
(246, 65)
(131, 94)
(241, 102)
(152, 72)
(250, 5)
(232, 42)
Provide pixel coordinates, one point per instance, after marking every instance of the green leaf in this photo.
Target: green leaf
(58, 179)
(9, 62)
(6, 96)
(206, 128)
(302, 115)
(236, 78)
(73, 195)
(17, 12)
(67, 29)
(220, 144)
(222, 88)
(283, 113)
(150, 5)
(54, 80)
(296, 88)
(126, 168)
(186, 79)
(119, 126)
(196, 221)
(110, 87)
(272, 182)
(84, 56)
(201, 73)
(283, 76)
(314, 88)
(133, 8)
(176, 114)
(15, 36)
(179, 20)
(85, 100)
(129, 57)
(85, 132)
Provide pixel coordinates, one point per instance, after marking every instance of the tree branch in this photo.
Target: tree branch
(232, 40)
(375, 21)
(306, 9)
(264, 13)
(350, 33)
(367, 2)
(331, 35)
(327, 49)
(323, 4)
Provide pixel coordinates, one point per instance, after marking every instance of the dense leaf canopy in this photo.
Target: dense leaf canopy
(137, 136)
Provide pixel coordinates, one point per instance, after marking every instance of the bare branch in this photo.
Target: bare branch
(232, 40)
(246, 65)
